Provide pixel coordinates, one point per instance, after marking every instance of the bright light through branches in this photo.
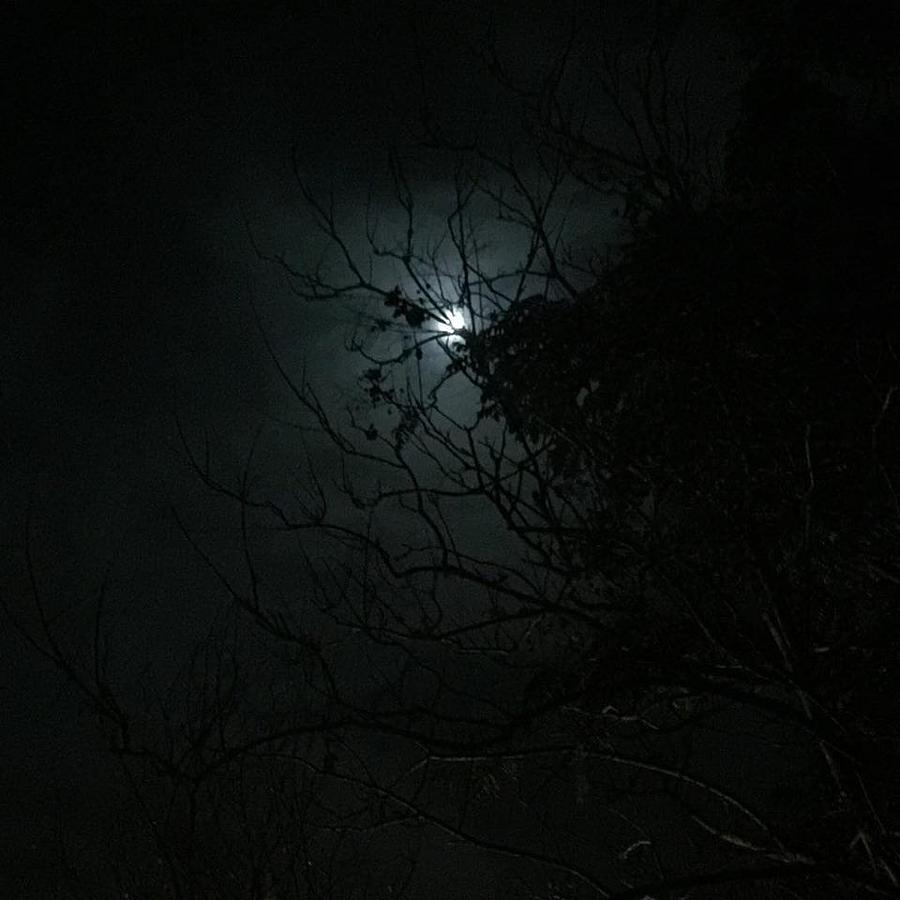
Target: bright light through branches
(454, 320)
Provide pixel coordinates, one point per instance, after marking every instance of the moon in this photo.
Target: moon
(454, 320)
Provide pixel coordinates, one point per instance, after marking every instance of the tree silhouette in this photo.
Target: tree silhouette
(601, 591)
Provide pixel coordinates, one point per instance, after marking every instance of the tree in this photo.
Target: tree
(612, 535)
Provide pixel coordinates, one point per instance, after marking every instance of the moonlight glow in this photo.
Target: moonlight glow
(454, 320)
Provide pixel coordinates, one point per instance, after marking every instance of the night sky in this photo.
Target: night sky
(146, 140)
(153, 169)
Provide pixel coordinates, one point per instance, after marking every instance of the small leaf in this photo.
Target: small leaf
(415, 315)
